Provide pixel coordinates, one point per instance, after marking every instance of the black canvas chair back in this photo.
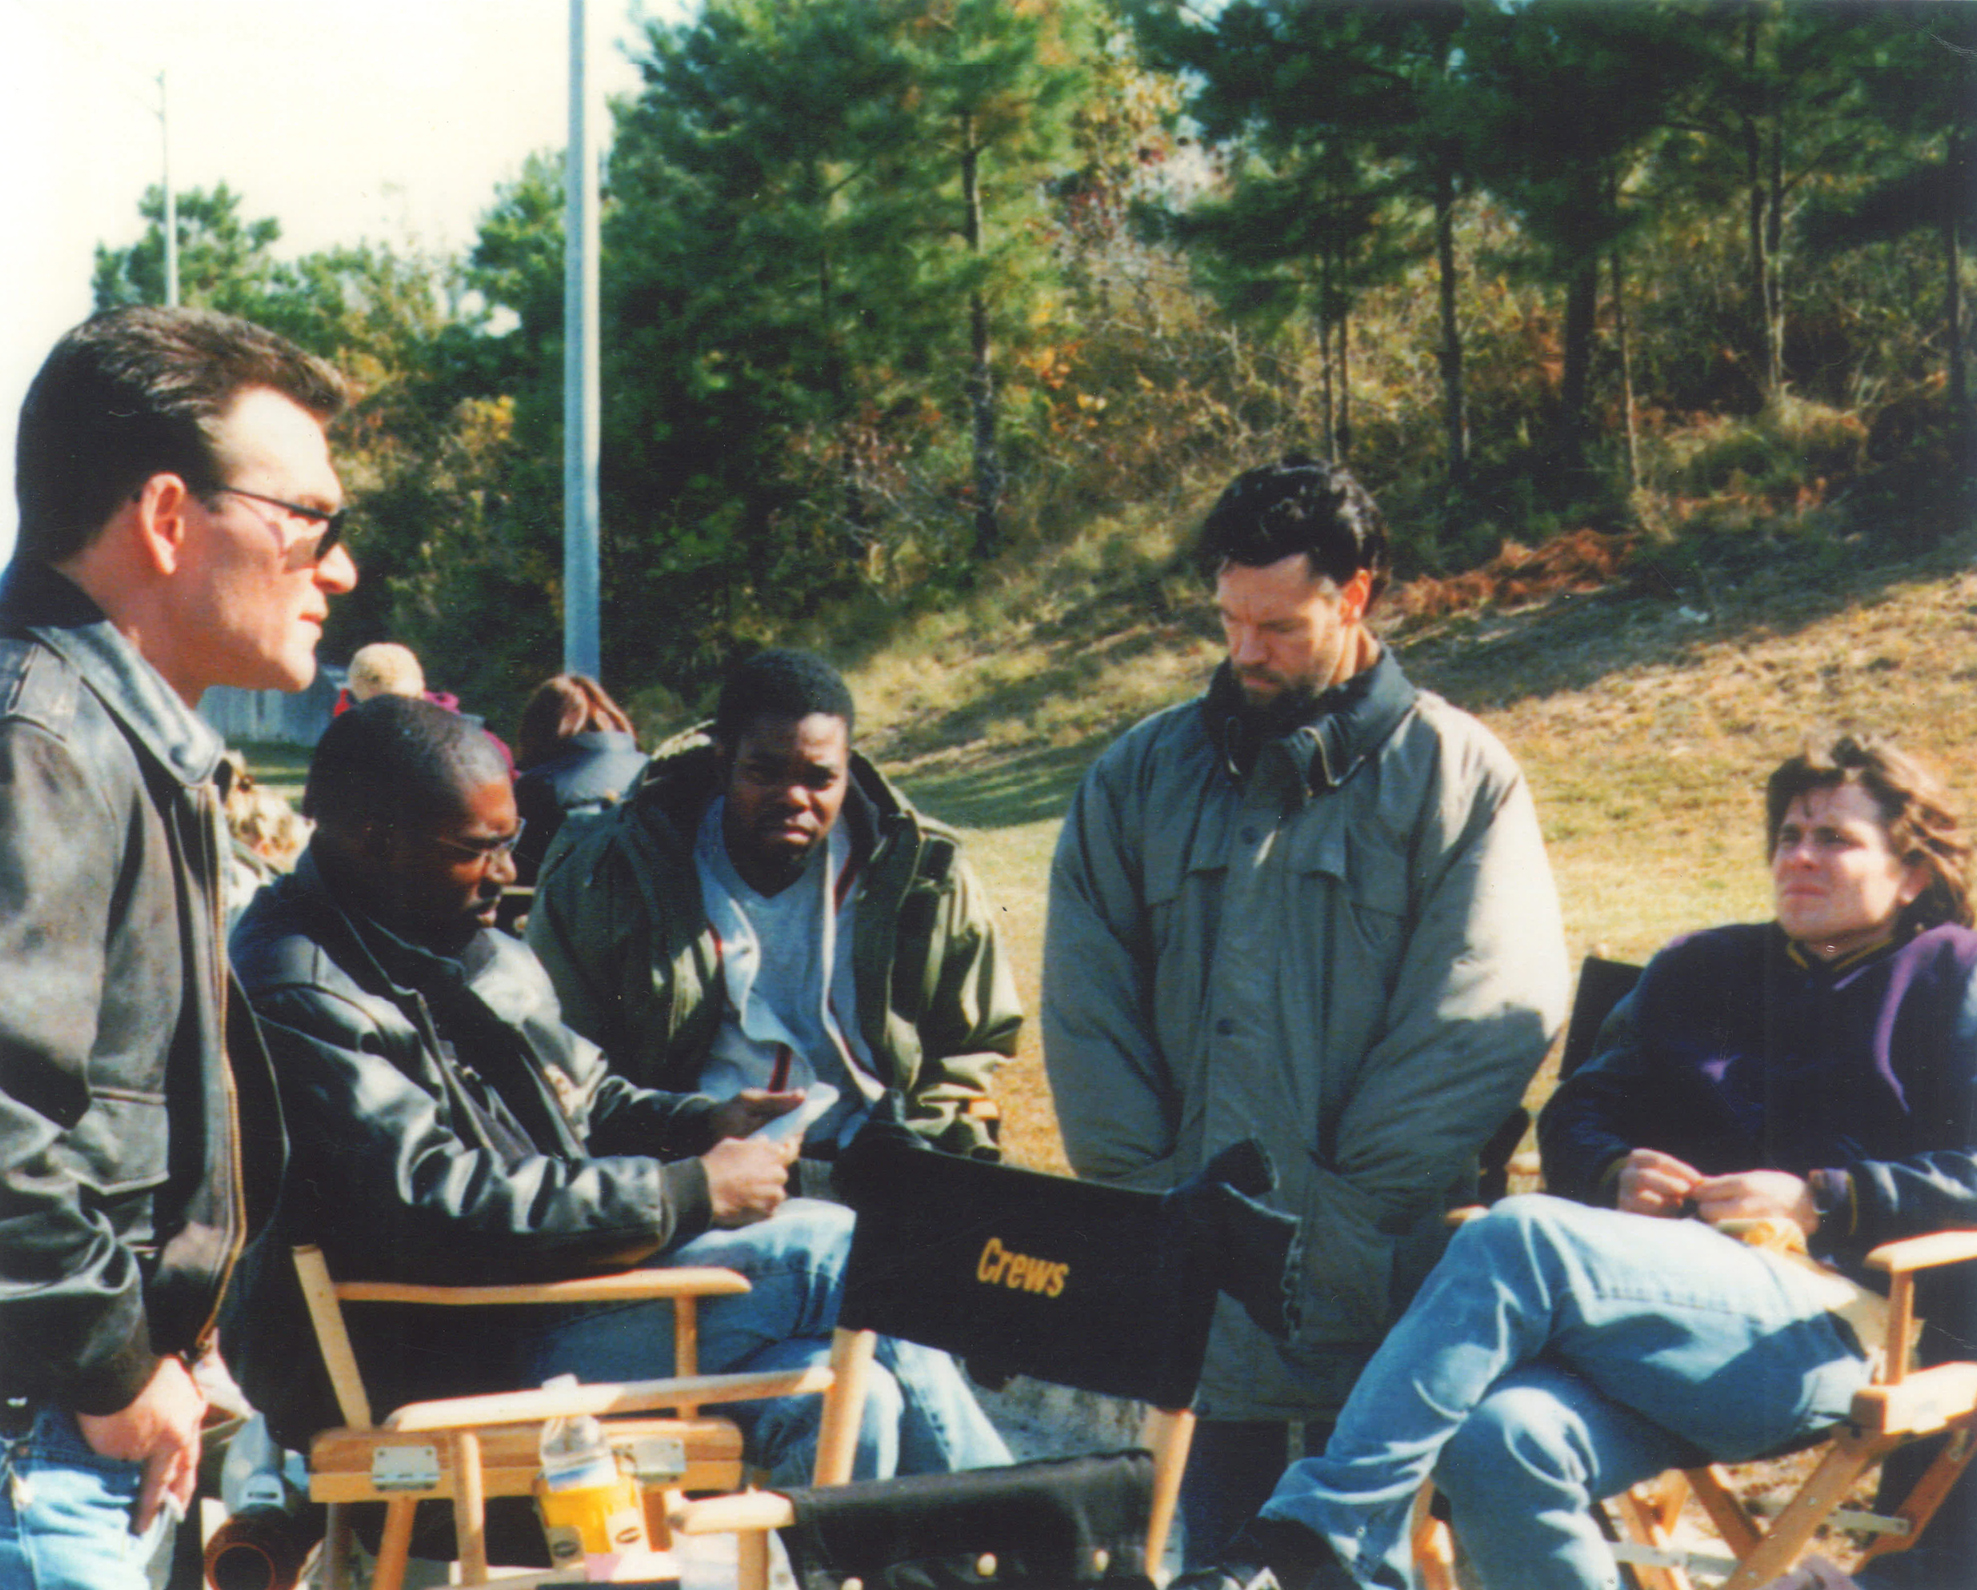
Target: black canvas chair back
(1097, 1287)
(1053, 1524)
(1602, 985)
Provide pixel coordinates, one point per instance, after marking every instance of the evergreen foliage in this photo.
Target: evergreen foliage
(894, 290)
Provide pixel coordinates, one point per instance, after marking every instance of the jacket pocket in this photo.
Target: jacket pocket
(122, 1143)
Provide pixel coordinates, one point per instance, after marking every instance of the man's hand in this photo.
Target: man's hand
(1757, 1195)
(747, 1178)
(1654, 1183)
(160, 1429)
(752, 1109)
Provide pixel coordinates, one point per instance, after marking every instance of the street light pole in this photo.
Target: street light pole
(581, 401)
(171, 198)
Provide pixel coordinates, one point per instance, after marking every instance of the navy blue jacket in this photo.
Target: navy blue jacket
(1738, 1052)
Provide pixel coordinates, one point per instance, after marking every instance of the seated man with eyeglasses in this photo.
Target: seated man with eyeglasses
(446, 1127)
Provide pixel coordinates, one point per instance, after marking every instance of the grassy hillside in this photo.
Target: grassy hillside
(1646, 694)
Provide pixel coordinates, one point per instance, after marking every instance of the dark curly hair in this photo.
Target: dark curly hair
(1297, 505)
(1914, 806)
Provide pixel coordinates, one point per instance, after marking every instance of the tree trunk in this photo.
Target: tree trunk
(1345, 387)
(1455, 413)
(1953, 190)
(1626, 371)
(1760, 256)
(1581, 303)
(1774, 247)
(1331, 436)
(981, 379)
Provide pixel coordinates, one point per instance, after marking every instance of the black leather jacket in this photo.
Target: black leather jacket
(446, 1127)
(124, 1198)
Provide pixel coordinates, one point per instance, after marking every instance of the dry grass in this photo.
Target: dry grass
(1645, 715)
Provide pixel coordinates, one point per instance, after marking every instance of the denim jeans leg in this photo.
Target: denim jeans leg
(920, 1416)
(1523, 1470)
(782, 1432)
(1720, 1345)
(65, 1514)
(941, 1426)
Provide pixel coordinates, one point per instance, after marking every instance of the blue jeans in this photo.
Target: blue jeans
(65, 1513)
(920, 1416)
(1559, 1354)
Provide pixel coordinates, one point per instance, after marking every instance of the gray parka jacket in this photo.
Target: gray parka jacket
(1351, 951)
(619, 923)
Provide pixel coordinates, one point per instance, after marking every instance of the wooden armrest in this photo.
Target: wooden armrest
(729, 1515)
(1926, 1401)
(1920, 1253)
(606, 1397)
(1465, 1214)
(624, 1287)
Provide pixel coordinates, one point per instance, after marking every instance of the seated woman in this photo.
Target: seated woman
(1820, 1069)
(576, 753)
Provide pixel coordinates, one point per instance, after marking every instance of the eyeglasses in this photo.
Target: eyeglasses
(327, 539)
(485, 850)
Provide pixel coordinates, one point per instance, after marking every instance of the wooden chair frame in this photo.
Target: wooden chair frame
(1900, 1406)
(466, 1449)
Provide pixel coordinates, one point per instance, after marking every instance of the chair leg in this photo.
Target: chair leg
(396, 1547)
(752, 1554)
(1929, 1493)
(469, 1508)
(336, 1546)
(844, 1405)
(1167, 1433)
(1433, 1543)
(1732, 1519)
(1793, 1528)
(1641, 1521)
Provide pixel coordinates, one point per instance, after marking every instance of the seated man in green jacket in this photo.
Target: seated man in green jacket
(768, 911)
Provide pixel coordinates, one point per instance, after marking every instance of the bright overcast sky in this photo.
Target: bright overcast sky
(391, 120)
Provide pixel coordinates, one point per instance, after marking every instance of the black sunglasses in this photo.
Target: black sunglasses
(327, 539)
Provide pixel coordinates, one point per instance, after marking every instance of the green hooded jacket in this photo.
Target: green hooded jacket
(619, 922)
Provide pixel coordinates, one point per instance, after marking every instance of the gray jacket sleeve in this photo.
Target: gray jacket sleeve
(1115, 1096)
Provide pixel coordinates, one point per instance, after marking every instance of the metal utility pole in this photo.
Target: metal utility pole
(581, 404)
(171, 198)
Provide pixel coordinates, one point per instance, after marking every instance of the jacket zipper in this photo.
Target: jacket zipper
(210, 820)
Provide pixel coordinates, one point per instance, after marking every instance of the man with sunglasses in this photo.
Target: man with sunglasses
(446, 1126)
(179, 518)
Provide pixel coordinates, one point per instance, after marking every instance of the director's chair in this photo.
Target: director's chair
(466, 1450)
(1102, 1288)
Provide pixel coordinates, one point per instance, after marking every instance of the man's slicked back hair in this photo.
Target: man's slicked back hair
(783, 685)
(132, 393)
(397, 762)
(1298, 505)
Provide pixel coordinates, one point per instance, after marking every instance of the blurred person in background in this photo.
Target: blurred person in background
(576, 753)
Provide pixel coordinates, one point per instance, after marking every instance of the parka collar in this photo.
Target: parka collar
(1345, 725)
(57, 612)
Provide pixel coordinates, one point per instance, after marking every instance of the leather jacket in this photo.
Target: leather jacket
(446, 1127)
(124, 1197)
